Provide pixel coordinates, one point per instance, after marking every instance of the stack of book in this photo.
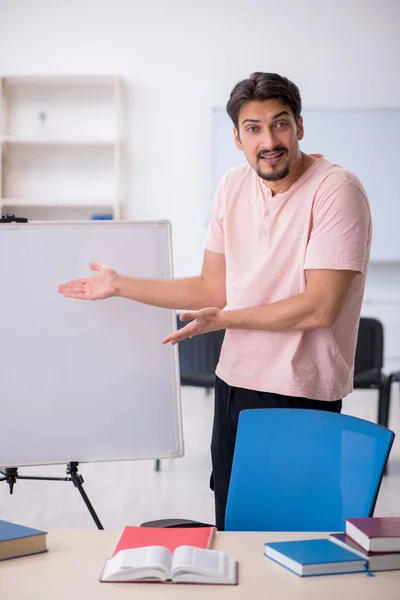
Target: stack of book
(368, 544)
(377, 539)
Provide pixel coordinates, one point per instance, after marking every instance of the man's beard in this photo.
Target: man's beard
(274, 175)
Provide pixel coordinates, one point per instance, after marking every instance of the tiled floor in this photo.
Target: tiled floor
(131, 492)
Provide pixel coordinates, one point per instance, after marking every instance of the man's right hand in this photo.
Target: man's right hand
(98, 287)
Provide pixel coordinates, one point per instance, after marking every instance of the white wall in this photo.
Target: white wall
(180, 58)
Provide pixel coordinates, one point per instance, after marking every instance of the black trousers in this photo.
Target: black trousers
(229, 401)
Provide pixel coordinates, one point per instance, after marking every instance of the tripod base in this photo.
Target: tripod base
(10, 475)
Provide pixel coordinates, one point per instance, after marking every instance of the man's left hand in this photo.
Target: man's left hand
(202, 321)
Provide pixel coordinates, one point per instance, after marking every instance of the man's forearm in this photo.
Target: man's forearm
(292, 314)
(189, 293)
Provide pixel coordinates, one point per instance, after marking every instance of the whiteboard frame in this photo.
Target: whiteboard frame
(178, 450)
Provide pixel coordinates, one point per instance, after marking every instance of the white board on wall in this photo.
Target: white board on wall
(85, 381)
(364, 141)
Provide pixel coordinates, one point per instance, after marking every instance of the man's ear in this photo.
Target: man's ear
(237, 139)
(300, 129)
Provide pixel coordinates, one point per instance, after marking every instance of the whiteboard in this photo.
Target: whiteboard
(84, 381)
(364, 141)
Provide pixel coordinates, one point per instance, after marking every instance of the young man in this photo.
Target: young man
(284, 272)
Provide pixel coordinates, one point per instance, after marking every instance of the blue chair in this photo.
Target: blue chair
(304, 470)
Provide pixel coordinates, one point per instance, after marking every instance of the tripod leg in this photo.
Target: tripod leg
(77, 479)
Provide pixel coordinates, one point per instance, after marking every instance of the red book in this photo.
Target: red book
(169, 537)
(375, 534)
(169, 555)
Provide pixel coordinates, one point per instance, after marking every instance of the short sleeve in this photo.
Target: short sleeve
(340, 234)
(215, 237)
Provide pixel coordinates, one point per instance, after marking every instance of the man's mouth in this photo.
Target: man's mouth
(271, 158)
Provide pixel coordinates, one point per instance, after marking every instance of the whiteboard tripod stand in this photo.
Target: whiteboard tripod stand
(10, 475)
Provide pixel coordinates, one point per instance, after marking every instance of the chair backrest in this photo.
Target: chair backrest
(370, 343)
(304, 470)
(198, 357)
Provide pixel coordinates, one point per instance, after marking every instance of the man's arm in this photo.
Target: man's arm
(190, 293)
(317, 307)
(206, 289)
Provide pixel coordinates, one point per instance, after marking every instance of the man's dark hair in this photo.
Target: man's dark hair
(260, 87)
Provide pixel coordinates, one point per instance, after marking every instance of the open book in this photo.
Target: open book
(156, 563)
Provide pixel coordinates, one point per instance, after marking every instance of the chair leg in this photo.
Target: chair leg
(384, 403)
(157, 465)
(384, 407)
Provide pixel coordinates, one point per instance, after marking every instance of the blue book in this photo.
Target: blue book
(18, 540)
(314, 557)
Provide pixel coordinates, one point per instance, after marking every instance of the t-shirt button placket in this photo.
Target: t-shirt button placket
(266, 224)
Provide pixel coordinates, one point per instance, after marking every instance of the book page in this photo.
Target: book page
(149, 556)
(195, 564)
(151, 562)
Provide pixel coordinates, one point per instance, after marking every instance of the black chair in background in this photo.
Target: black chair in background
(395, 376)
(368, 365)
(198, 358)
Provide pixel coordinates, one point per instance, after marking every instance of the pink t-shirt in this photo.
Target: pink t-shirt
(322, 222)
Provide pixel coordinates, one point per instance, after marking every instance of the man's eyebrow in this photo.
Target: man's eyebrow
(279, 114)
(251, 121)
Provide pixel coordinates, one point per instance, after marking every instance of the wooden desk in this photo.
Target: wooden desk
(71, 569)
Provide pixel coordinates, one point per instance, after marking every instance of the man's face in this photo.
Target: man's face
(269, 136)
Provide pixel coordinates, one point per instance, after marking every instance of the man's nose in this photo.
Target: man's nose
(268, 140)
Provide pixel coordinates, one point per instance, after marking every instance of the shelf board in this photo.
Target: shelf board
(26, 141)
(62, 204)
(61, 79)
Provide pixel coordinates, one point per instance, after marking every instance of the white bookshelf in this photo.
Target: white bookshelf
(61, 146)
